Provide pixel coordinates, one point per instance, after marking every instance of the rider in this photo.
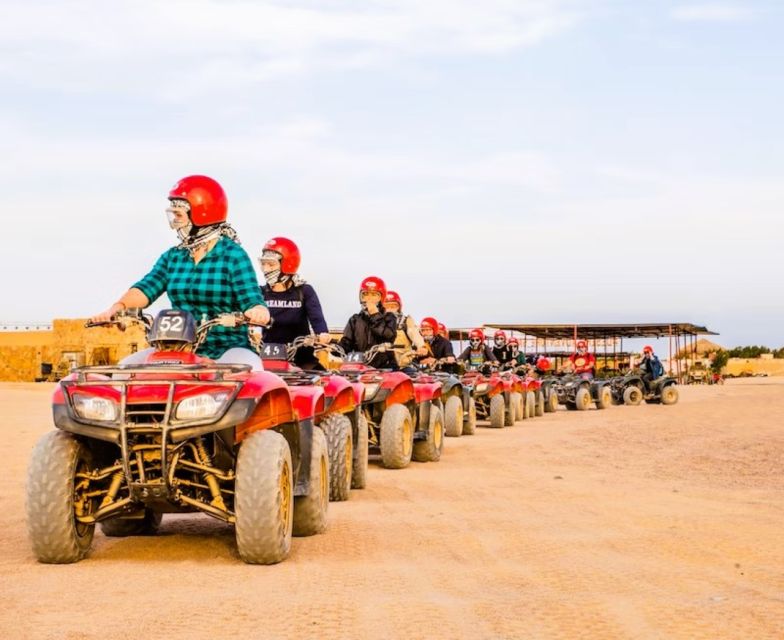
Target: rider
(293, 303)
(581, 362)
(477, 353)
(207, 273)
(408, 335)
(515, 358)
(500, 350)
(443, 331)
(439, 348)
(372, 325)
(650, 365)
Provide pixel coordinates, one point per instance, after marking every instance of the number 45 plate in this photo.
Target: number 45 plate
(274, 351)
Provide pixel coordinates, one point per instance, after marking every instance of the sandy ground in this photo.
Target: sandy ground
(636, 522)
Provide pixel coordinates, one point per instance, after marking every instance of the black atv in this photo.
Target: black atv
(632, 389)
(578, 392)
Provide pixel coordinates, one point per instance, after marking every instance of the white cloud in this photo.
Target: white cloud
(711, 12)
(186, 49)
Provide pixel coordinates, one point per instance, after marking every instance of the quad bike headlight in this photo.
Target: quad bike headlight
(204, 405)
(95, 408)
(371, 389)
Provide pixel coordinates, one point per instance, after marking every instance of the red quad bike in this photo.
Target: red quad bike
(514, 396)
(177, 433)
(459, 405)
(338, 414)
(403, 416)
(535, 400)
(488, 394)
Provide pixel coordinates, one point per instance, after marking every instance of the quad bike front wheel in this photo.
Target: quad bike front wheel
(453, 417)
(340, 447)
(397, 437)
(497, 411)
(605, 398)
(360, 467)
(310, 510)
(429, 449)
(632, 395)
(56, 493)
(469, 425)
(582, 399)
(669, 394)
(264, 498)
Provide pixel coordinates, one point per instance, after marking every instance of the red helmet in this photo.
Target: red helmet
(647, 349)
(476, 333)
(499, 334)
(442, 330)
(206, 198)
(429, 322)
(542, 363)
(582, 344)
(393, 296)
(372, 283)
(288, 251)
(514, 341)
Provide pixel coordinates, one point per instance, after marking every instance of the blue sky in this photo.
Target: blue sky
(503, 161)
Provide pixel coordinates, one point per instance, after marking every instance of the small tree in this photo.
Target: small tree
(719, 361)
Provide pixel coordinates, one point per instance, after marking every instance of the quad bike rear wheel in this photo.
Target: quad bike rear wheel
(632, 395)
(397, 437)
(605, 398)
(539, 404)
(55, 495)
(469, 425)
(497, 411)
(340, 446)
(310, 510)
(429, 449)
(530, 404)
(360, 467)
(519, 406)
(123, 527)
(510, 408)
(551, 406)
(669, 394)
(582, 399)
(264, 498)
(453, 417)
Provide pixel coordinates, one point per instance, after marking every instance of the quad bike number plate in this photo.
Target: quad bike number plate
(356, 356)
(274, 351)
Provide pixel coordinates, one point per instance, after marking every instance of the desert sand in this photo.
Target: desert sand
(635, 522)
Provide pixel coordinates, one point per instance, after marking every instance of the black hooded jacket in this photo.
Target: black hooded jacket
(364, 331)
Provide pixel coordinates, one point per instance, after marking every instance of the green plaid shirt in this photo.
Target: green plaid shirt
(224, 281)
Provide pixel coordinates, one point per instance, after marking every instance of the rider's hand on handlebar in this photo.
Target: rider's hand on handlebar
(108, 314)
(258, 315)
(324, 338)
